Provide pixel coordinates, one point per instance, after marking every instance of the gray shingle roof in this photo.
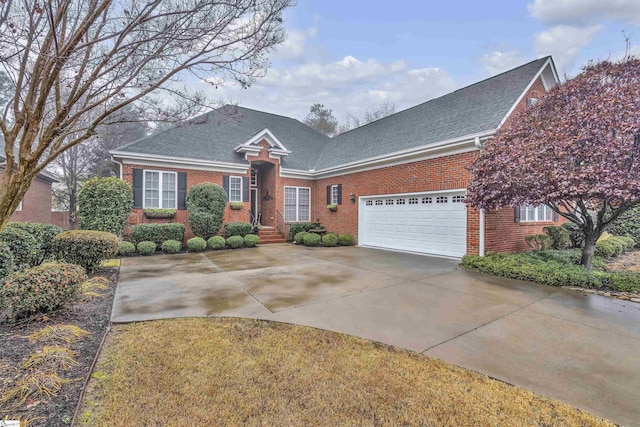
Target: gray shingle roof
(44, 175)
(214, 136)
(472, 109)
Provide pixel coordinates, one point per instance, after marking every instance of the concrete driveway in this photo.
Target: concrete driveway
(579, 348)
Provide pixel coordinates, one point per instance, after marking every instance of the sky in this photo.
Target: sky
(352, 55)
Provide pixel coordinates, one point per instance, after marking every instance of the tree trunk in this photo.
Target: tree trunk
(590, 240)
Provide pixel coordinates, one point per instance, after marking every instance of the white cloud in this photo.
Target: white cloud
(497, 61)
(564, 43)
(583, 12)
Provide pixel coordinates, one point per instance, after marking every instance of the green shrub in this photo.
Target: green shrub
(147, 247)
(530, 267)
(345, 240)
(330, 239)
(235, 242)
(613, 246)
(238, 229)
(40, 289)
(628, 224)
(6, 261)
(298, 238)
(236, 205)
(206, 203)
(196, 244)
(216, 242)
(576, 237)
(85, 247)
(23, 246)
(126, 248)
(44, 235)
(559, 236)
(298, 227)
(157, 233)
(311, 239)
(104, 204)
(538, 242)
(251, 240)
(171, 247)
(160, 213)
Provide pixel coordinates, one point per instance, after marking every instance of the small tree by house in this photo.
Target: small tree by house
(577, 150)
(322, 119)
(205, 205)
(105, 205)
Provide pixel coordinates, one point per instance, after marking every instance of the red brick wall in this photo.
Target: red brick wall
(36, 204)
(193, 177)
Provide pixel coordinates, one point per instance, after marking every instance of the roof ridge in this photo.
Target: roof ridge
(446, 94)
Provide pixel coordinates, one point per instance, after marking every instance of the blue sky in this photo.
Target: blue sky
(352, 55)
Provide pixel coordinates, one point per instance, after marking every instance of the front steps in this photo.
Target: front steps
(270, 235)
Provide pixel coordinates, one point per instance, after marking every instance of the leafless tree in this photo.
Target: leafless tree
(73, 63)
(386, 108)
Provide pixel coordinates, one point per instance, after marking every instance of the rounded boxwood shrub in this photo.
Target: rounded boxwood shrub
(146, 248)
(41, 289)
(251, 240)
(104, 204)
(157, 233)
(196, 244)
(345, 240)
(559, 236)
(205, 204)
(171, 247)
(85, 247)
(126, 248)
(216, 242)
(238, 229)
(23, 246)
(300, 226)
(330, 240)
(44, 235)
(6, 261)
(311, 239)
(627, 224)
(298, 238)
(235, 242)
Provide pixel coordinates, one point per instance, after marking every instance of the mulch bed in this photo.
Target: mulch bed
(91, 315)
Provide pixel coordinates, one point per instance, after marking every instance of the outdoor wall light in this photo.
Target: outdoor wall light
(352, 197)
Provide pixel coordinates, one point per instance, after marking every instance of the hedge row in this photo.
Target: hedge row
(614, 246)
(552, 271)
(329, 239)
(238, 229)
(157, 233)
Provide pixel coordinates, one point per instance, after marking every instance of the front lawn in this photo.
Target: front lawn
(247, 372)
(556, 268)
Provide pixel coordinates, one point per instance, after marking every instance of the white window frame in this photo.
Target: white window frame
(524, 217)
(284, 203)
(334, 194)
(160, 198)
(241, 189)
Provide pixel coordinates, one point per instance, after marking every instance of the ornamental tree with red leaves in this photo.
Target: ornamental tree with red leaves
(577, 150)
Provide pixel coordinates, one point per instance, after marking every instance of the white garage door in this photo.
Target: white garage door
(430, 223)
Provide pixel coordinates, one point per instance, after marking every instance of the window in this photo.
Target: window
(400, 202)
(378, 202)
(457, 199)
(413, 201)
(19, 208)
(160, 189)
(297, 204)
(427, 200)
(441, 199)
(530, 213)
(254, 177)
(235, 189)
(389, 202)
(334, 194)
(369, 203)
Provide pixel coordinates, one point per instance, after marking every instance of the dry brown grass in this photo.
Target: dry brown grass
(626, 262)
(243, 372)
(58, 334)
(36, 386)
(51, 358)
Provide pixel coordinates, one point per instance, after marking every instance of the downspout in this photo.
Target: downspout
(477, 142)
(481, 248)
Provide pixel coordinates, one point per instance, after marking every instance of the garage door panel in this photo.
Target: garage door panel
(432, 223)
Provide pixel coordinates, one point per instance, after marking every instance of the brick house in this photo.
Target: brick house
(399, 182)
(37, 202)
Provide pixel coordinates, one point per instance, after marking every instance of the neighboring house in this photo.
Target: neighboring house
(37, 202)
(399, 182)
